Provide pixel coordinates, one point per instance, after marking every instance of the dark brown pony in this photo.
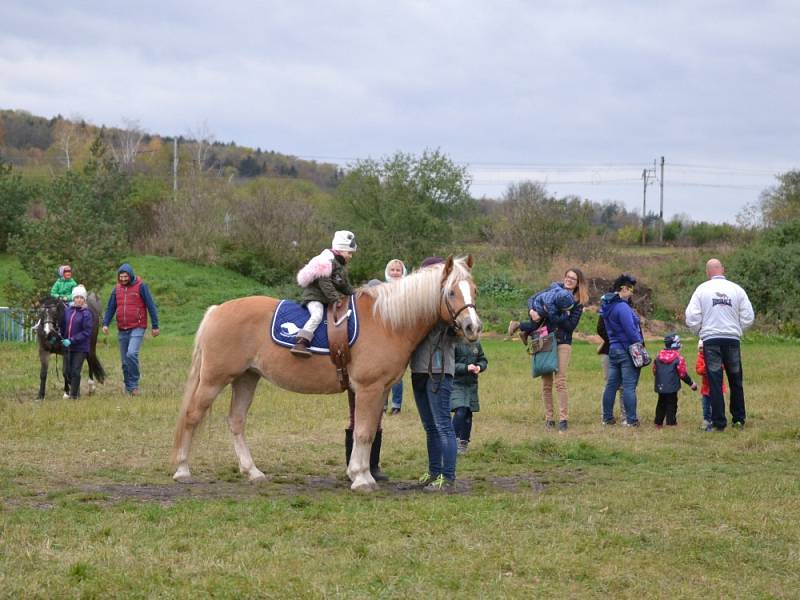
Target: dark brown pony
(233, 346)
(50, 312)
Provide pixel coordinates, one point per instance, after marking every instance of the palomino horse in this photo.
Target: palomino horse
(233, 346)
(49, 335)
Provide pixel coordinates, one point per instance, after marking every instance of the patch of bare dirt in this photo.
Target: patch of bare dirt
(169, 493)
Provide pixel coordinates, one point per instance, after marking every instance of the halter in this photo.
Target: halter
(56, 332)
(454, 313)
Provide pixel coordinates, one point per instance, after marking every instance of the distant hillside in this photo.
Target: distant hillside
(35, 143)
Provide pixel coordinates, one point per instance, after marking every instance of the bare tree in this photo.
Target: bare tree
(125, 143)
(201, 140)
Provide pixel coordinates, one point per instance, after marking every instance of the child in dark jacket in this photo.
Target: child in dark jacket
(669, 368)
(324, 281)
(470, 363)
(552, 305)
(77, 328)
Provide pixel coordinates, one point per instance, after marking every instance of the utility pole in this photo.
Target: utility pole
(647, 176)
(175, 169)
(661, 209)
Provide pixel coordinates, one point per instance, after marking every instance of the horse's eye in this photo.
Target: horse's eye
(452, 294)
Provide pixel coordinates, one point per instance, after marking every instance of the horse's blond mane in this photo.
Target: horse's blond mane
(404, 302)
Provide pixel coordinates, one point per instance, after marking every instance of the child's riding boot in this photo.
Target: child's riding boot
(301, 346)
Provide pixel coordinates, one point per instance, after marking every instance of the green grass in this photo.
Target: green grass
(89, 510)
(11, 270)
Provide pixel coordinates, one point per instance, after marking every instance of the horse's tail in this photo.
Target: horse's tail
(96, 368)
(191, 384)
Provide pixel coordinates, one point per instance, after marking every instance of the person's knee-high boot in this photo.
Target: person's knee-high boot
(375, 458)
(348, 446)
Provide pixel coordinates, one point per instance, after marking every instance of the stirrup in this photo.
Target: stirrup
(300, 348)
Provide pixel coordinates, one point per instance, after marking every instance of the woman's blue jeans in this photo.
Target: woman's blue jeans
(130, 341)
(432, 396)
(397, 394)
(621, 371)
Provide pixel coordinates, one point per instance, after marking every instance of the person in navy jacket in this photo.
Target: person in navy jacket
(131, 301)
(77, 327)
(623, 328)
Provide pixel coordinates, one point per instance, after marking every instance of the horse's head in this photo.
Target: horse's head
(51, 313)
(458, 298)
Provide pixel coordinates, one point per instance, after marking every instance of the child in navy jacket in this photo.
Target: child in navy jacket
(669, 368)
(552, 305)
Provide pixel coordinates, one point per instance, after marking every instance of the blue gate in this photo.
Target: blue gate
(12, 326)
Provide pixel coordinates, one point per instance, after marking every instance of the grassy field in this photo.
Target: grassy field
(89, 509)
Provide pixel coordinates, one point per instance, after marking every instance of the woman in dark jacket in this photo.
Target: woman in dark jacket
(623, 329)
(77, 328)
(575, 282)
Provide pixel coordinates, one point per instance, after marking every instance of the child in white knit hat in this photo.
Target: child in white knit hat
(324, 281)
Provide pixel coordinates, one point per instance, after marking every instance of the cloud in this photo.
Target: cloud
(571, 83)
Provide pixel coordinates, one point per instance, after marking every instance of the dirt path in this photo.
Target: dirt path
(170, 493)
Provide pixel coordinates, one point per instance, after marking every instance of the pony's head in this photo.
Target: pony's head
(443, 291)
(50, 312)
(459, 293)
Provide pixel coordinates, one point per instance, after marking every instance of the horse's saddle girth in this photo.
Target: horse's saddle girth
(338, 315)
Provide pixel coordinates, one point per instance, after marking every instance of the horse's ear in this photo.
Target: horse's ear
(470, 262)
(448, 268)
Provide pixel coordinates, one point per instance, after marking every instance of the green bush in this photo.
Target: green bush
(769, 271)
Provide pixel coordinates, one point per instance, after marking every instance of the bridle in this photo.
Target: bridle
(49, 317)
(454, 313)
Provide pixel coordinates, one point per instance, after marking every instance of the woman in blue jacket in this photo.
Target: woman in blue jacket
(623, 328)
(77, 328)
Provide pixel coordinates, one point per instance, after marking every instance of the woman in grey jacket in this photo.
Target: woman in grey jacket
(432, 368)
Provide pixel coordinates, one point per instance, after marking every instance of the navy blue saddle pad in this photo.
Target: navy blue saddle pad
(290, 317)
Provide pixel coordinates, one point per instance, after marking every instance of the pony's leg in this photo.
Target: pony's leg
(369, 404)
(243, 388)
(201, 399)
(44, 362)
(90, 382)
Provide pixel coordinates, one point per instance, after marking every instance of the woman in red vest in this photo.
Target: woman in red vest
(131, 301)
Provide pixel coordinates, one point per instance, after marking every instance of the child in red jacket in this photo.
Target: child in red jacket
(705, 389)
(669, 368)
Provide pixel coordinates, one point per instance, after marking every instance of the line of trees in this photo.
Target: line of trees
(108, 204)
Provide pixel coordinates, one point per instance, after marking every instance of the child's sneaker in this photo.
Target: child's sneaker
(562, 426)
(424, 480)
(549, 425)
(463, 446)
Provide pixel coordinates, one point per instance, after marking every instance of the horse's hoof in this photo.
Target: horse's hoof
(364, 486)
(257, 477)
(182, 476)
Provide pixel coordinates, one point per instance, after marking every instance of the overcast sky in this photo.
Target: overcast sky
(580, 95)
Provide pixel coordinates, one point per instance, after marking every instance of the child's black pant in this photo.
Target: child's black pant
(667, 406)
(462, 422)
